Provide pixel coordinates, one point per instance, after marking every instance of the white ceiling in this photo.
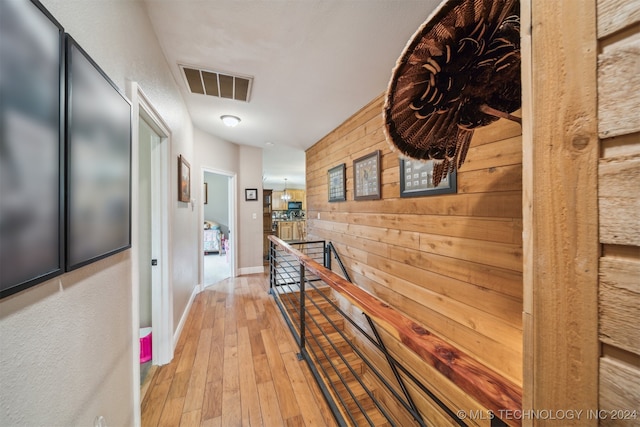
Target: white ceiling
(314, 63)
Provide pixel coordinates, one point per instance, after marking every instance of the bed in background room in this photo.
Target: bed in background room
(213, 237)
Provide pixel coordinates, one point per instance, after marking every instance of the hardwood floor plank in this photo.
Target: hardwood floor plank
(257, 346)
(212, 401)
(230, 317)
(187, 356)
(240, 304)
(209, 313)
(261, 368)
(304, 395)
(260, 293)
(198, 379)
(197, 308)
(296, 421)
(190, 419)
(251, 415)
(236, 366)
(166, 372)
(231, 414)
(269, 404)
(281, 333)
(286, 397)
(213, 422)
(171, 413)
(152, 407)
(250, 310)
(216, 350)
(179, 384)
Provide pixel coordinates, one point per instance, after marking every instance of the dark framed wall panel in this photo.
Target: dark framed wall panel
(31, 146)
(416, 179)
(98, 172)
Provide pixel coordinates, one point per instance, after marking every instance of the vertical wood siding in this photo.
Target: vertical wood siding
(452, 262)
(619, 206)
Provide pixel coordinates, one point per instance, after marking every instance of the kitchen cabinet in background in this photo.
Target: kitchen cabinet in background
(292, 230)
(267, 207)
(277, 204)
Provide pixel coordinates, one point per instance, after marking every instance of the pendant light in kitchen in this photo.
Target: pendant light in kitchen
(285, 196)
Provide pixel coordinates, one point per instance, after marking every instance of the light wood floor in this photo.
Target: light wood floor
(235, 365)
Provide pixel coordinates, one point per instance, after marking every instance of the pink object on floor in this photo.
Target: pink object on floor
(145, 345)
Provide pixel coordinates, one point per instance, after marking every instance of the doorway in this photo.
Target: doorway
(148, 142)
(151, 293)
(217, 237)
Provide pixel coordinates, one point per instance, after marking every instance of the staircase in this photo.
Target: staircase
(337, 363)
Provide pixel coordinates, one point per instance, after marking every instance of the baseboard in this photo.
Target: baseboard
(250, 270)
(185, 314)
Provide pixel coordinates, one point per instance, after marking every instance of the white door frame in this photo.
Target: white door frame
(233, 235)
(162, 294)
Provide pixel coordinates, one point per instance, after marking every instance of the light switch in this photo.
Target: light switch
(254, 215)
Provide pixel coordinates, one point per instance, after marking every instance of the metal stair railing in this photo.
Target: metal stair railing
(300, 276)
(377, 340)
(291, 294)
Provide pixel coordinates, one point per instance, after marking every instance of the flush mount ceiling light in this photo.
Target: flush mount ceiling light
(231, 121)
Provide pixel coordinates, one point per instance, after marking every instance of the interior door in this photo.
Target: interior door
(146, 137)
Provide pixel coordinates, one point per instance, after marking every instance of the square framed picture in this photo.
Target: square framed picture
(184, 180)
(98, 162)
(366, 177)
(337, 183)
(251, 194)
(416, 179)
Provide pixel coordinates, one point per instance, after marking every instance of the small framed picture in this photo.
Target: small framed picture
(251, 194)
(416, 179)
(337, 183)
(184, 180)
(366, 177)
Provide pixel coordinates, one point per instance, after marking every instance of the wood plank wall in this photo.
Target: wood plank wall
(452, 262)
(619, 206)
(560, 218)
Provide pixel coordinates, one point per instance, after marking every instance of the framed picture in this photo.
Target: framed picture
(31, 146)
(251, 194)
(366, 177)
(416, 179)
(206, 193)
(98, 162)
(184, 180)
(337, 183)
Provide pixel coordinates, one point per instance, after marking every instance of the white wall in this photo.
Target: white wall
(215, 154)
(250, 213)
(246, 162)
(66, 346)
(65, 349)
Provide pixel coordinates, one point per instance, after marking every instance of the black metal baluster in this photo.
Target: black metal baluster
(302, 313)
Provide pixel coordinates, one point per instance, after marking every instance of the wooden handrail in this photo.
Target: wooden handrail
(492, 390)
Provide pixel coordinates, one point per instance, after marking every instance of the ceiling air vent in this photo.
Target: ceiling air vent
(215, 83)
